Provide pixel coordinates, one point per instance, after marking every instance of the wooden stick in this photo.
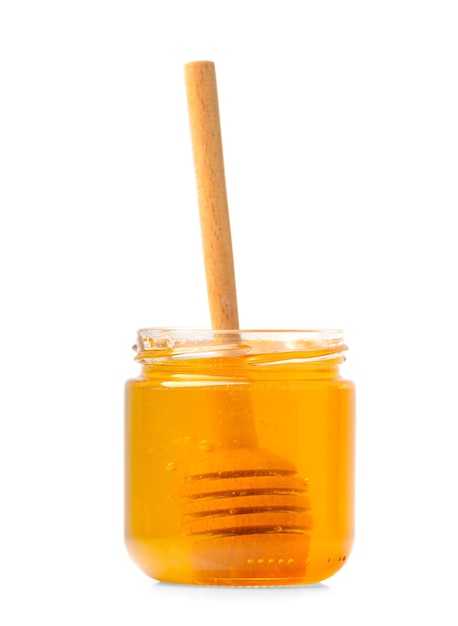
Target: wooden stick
(230, 540)
(211, 188)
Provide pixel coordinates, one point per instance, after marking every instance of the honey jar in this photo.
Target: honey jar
(239, 457)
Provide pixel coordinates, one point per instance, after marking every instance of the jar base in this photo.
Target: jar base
(250, 559)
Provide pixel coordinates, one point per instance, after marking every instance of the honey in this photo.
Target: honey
(239, 463)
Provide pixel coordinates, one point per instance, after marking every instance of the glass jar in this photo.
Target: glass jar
(239, 463)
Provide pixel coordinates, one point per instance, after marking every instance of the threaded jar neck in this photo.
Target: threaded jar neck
(156, 346)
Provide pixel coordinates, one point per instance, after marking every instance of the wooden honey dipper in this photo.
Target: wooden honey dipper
(246, 508)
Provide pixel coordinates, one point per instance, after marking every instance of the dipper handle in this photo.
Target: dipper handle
(207, 147)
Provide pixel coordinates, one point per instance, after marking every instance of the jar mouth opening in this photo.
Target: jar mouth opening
(179, 343)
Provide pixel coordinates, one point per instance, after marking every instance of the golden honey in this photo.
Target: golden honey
(239, 460)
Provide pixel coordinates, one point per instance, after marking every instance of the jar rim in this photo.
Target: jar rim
(182, 342)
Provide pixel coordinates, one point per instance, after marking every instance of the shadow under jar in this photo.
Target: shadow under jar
(239, 457)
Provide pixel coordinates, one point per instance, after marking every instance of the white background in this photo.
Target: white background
(340, 135)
